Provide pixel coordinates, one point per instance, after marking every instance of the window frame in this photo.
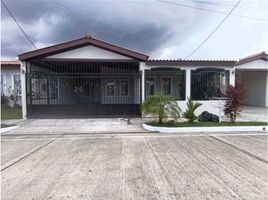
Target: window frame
(127, 81)
(107, 81)
(171, 85)
(17, 84)
(154, 88)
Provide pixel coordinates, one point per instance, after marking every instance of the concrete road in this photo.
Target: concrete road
(135, 166)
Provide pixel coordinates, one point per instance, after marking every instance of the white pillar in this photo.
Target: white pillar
(232, 76)
(23, 89)
(142, 66)
(266, 90)
(188, 83)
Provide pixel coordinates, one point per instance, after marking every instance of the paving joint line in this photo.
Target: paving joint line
(241, 149)
(30, 153)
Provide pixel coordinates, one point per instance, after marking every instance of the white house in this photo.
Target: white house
(88, 77)
(252, 71)
(10, 78)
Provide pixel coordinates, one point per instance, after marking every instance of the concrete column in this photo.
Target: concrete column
(232, 76)
(142, 66)
(188, 83)
(23, 89)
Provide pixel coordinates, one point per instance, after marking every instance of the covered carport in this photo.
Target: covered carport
(252, 71)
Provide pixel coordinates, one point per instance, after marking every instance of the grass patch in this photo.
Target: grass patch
(7, 125)
(207, 124)
(11, 113)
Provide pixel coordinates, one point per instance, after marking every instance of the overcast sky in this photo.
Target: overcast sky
(158, 29)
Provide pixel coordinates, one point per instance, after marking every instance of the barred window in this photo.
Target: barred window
(124, 87)
(169, 82)
(207, 83)
(54, 88)
(17, 84)
(149, 86)
(166, 86)
(39, 88)
(2, 85)
(111, 88)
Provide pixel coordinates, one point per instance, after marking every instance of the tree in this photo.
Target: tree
(191, 107)
(161, 106)
(235, 94)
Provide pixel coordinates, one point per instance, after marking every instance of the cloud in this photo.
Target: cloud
(157, 29)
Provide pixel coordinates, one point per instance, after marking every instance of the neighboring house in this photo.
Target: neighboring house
(88, 77)
(252, 71)
(10, 79)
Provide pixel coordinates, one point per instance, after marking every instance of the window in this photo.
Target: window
(2, 85)
(124, 88)
(111, 88)
(166, 86)
(169, 82)
(54, 88)
(149, 86)
(39, 88)
(207, 83)
(17, 84)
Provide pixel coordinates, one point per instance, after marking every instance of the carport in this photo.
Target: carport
(252, 72)
(82, 78)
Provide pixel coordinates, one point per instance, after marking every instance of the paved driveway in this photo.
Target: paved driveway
(135, 166)
(74, 126)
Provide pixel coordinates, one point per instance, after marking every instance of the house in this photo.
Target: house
(88, 77)
(11, 79)
(252, 71)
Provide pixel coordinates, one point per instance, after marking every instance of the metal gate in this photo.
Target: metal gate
(65, 88)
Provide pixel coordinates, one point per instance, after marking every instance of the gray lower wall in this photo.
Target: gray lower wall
(255, 86)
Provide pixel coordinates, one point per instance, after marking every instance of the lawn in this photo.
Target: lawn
(11, 113)
(207, 124)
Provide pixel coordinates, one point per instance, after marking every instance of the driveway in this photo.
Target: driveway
(75, 126)
(135, 166)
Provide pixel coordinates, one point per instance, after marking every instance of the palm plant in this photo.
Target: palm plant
(161, 106)
(191, 107)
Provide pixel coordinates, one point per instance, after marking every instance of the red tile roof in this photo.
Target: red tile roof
(10, 62)
(87, 40)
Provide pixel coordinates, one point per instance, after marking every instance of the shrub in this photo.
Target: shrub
(236, 95)
(161, 106)
(191, 107)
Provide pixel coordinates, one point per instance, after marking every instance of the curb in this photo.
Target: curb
(4, 130)
(206, 129)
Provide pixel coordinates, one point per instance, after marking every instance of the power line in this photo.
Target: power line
(217, 27)
(210, 10)
(18, 24)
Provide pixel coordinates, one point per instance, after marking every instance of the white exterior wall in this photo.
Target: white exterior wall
(8, 80)
(254, 76)
(89, 52)
(210, 106)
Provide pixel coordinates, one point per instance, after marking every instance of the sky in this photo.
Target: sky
(161, 29)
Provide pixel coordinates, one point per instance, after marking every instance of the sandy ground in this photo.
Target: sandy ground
(135, 166)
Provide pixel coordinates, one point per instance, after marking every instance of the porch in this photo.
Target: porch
(82, 88)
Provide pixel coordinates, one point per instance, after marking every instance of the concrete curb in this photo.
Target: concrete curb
(4, 130)
(205, 129)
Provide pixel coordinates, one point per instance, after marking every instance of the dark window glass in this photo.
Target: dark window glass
(149, 86)
(124, 88)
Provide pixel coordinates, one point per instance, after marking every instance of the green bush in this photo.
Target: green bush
(191, 107)
(161, 106)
